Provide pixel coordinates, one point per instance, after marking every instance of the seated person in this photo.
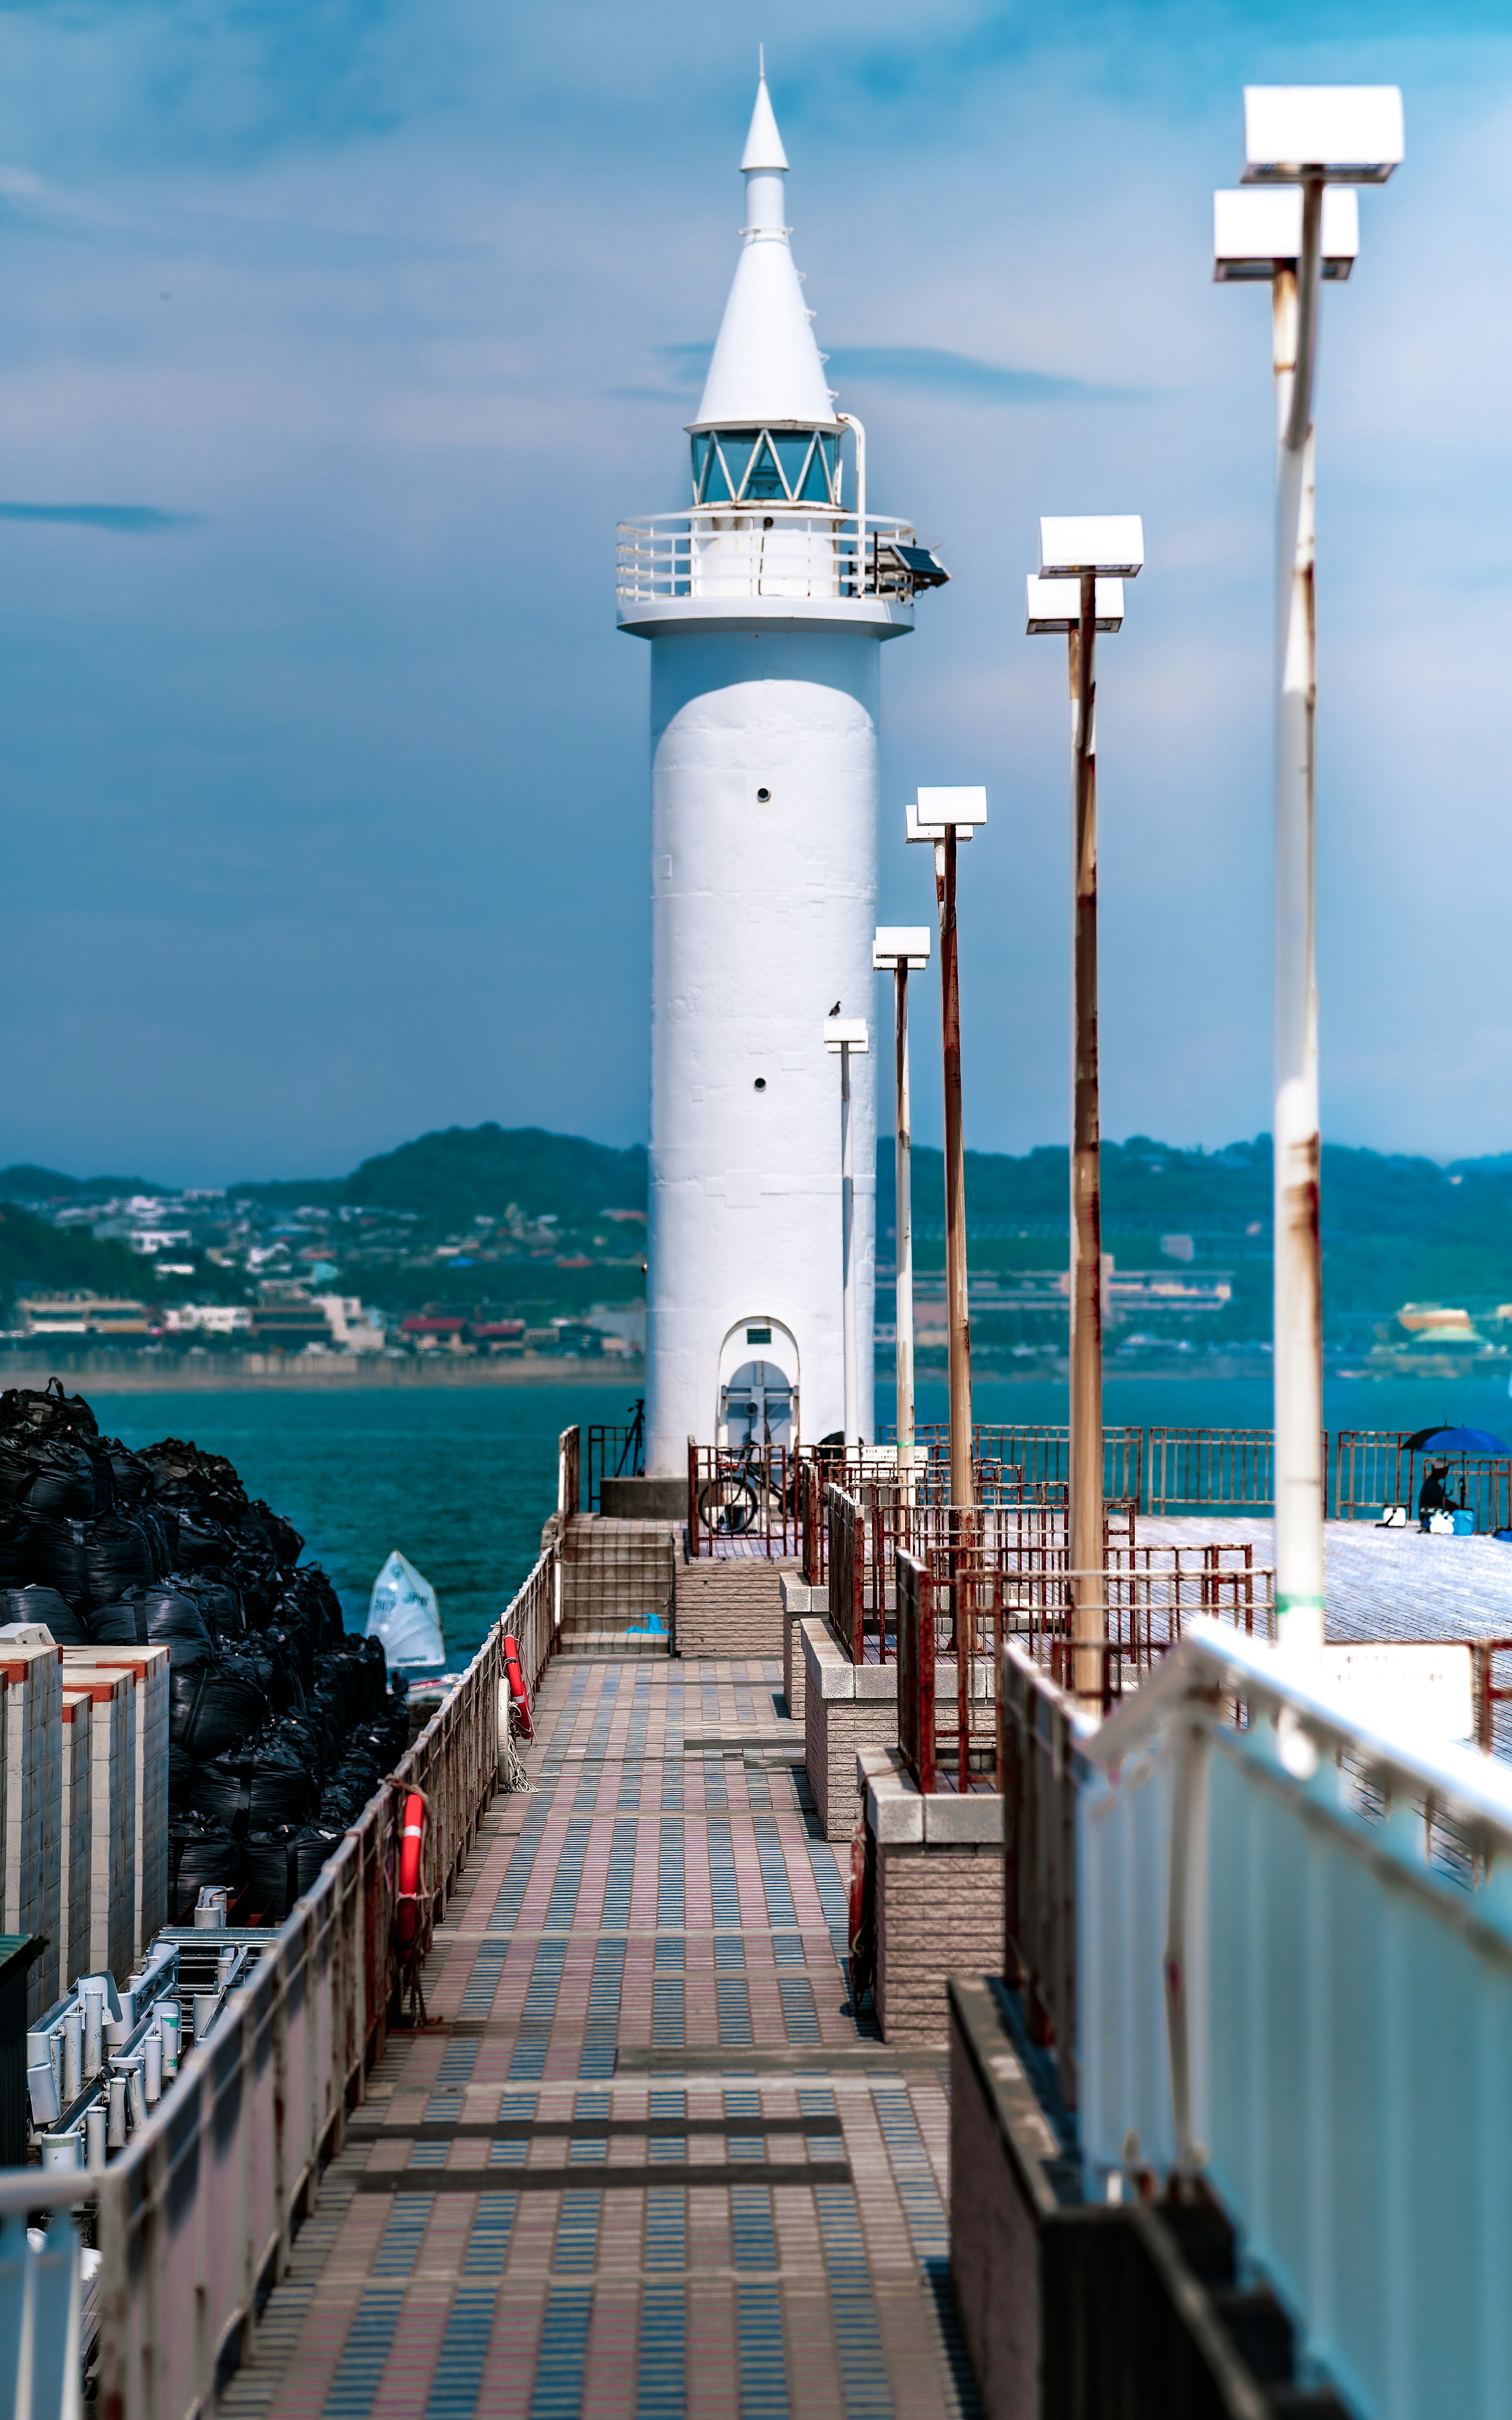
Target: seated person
(1433, 1496)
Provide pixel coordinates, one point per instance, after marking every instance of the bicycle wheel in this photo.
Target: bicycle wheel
(727, 1505)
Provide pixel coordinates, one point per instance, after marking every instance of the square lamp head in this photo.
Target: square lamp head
(937, 809)
(1258, 230)
(907, 942)
(1076, 542)
(1349, 134)
(841, 1033)
(1056, 605)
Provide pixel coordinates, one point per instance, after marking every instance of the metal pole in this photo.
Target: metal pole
(903, 1182)
(1085, 1540)
(847, 1189)
(961, 1491)
(1297, 1141)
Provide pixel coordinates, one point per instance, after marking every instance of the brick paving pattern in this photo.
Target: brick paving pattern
(645, 2165)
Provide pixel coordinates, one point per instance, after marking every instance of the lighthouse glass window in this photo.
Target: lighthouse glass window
(782, 466)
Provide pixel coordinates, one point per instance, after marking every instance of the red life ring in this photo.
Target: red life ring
(411, 1849)
(517, 1690)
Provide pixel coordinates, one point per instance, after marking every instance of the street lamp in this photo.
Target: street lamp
(844, 1034)
(1304, 137)
(900, 948)
(943, 818)
(1099, 552)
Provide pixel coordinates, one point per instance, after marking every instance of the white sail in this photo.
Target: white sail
(404, 1616)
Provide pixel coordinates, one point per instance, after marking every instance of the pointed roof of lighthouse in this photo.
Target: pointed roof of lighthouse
(767, 371)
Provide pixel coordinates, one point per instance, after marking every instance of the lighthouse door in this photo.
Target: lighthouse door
(756, 1407)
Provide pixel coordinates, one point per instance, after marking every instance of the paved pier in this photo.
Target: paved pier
(1381, 1583)
(645, 2165)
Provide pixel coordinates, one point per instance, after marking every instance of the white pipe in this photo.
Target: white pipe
(848, 420)
(847, 1187)
(903, 1182)
(1299, 1479)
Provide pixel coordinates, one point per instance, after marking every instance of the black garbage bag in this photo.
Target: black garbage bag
(199, 1856)
(155, 1615)
(218, 1706)
(273, 1872)
(290, 1643)
(47, 1409)
(260, 1788)
(261, 1525)
(203, 1543)
(309, 1592)
(218, 1602)
(63, 1480)
(16, 1470)
(181, 1773)
(182, 1474)
(129, 1475)
(44, 1604)
(315, 1844)
(120, 1556)
(56, 1553)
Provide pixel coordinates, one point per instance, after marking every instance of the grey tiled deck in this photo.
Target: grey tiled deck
(1382, 1583)
(645, 2165)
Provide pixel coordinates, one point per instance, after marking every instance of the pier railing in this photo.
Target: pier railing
(1016, 1540)
(1319, 2045)
(194, 2218)
(949, 1629)
(729, 550)
(1042, 1736)
(612, 1453)
(1041, 1452)
(1374, 1469)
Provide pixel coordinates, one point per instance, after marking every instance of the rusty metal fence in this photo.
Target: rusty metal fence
(869, 1530)
(954, 1622)
(1040, 1452)
(1199, 1469)
(1143, 1596)
(743, 1499)
(194, 2219)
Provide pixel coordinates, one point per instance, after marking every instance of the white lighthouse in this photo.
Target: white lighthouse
(765, 603)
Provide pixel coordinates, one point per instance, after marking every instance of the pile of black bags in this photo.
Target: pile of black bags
(282, 1726)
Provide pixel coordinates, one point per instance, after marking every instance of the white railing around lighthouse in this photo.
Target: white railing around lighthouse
(732, 552)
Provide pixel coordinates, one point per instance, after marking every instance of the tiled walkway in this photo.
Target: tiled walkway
(645, 2165)
(1382, 1583)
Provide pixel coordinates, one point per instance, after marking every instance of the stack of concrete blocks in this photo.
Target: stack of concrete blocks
(148, 1851)
(75, 1831)
(112, 1818)
(31, 1826)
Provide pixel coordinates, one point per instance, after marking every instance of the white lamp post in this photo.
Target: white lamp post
(897, 948)
(1305, 137)
(1097, 552)
(844, 1034)
(943, 818)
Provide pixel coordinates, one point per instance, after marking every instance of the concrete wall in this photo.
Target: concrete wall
(798, 1602)
(847, 1707)
(729, 1609)
(939, 1908)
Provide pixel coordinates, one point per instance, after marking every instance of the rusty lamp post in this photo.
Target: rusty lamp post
(899, 949)
(944, 817)
(1097, 552)
(1304, 137)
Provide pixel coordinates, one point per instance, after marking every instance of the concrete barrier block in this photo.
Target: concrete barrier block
(878, 1682)
(950, 1821)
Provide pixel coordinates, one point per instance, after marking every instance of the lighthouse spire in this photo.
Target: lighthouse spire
(767, 371)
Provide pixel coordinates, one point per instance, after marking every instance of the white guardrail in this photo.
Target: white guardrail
(194, 2221)
(1295, 1969)
(739, 551)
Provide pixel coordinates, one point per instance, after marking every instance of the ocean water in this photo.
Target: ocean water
(461, 1480)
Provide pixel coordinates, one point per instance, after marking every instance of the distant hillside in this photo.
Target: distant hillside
(33, 1252)
(27, 1184)
(464, 1172)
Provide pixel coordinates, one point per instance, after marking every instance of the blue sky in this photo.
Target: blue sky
(336, 338)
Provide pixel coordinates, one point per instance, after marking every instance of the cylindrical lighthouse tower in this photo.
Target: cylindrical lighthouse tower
(765, 603)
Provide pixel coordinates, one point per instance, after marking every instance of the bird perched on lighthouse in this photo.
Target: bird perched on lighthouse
(765, 603)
